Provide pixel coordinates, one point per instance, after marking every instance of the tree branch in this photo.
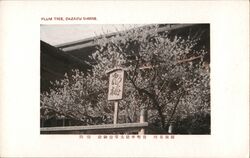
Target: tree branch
(63, 113)
(175, 107)
(189, 59)
(153, 98)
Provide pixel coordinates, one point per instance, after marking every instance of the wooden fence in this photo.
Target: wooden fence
(125, 128)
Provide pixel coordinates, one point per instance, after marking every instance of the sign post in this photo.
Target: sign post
(116, 112)
(115, 93)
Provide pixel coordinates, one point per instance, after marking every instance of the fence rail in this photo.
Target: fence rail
(95, 129)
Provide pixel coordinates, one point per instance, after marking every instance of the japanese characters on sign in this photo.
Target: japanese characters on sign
(116, 85)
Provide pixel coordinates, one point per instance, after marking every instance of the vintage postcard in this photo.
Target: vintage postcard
(123, 79)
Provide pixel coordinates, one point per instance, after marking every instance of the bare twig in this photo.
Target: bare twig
(189, 59)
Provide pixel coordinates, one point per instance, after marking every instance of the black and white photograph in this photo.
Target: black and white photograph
(125, 79)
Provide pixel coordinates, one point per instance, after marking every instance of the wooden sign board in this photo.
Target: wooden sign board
(116, 79)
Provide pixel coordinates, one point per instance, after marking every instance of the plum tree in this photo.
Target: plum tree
(165, 75)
